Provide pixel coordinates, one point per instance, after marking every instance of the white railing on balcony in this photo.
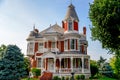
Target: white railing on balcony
(54, 50)
(65, 70)
(69, 70)
(86, 71)
(77, 70)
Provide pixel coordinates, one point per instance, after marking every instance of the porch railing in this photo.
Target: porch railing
(69, 70)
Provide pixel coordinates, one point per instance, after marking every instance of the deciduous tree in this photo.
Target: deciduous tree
(105, 18)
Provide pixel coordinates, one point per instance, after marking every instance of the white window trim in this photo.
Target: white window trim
(39, 66)
(29, 50)
(39, 50)
(66, 49)
(74, 44)
(72, 25)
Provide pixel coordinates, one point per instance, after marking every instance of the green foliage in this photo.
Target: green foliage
(36, 72)
(77, 77)
(93, 67)
(67, 78)
(2, 49)
(11, 65)
(27, 65)
(107, 70)
(63, 78)
(29, 79)
(56, 78)
(105, 18)
(82, 77)
(115, 64)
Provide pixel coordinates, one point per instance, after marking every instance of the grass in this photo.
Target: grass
(106, 78)
(30, 79)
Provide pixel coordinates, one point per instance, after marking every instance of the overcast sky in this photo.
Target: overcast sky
(17, 18)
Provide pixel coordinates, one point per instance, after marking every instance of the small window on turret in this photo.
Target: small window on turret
(70, 25)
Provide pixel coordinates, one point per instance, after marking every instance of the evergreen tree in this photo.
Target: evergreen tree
(12, 64)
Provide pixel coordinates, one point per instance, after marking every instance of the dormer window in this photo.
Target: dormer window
(70, 25)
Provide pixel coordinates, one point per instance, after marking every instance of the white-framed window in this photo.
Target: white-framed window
(65, 62)
(74, 62)
(86, 63)
(70, 25)
(73, 44)
(30, 48)
(66, 44)
(39, 63)
(79, 44)
(40, 47)
(53, 44)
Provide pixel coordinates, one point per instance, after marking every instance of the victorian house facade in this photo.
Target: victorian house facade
(60, 50)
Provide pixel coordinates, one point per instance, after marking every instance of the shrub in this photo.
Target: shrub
(77, 77)
(82, 77)
(67, 77)
(56, 78)
(36, 72)
(63, 78)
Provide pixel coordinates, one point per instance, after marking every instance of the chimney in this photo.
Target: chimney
(84, 30)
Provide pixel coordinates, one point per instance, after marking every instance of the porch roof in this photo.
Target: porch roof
(48, 55)
(73, 55)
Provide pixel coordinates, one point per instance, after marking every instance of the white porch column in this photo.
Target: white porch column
(71, 64)
(60, 65)
(89, 63)
(82, 64)
(45, 64)
(55, 42)
(54, 64)
(42, 64)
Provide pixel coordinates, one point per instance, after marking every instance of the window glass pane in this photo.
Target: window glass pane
(66, 44)
(39, 63)
(30, 47)
(73, 44)
(86, 63)
(70, 25)
(53, 44)
(40, 47)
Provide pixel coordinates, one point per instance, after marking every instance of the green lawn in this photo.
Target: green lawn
(30, 79)
(106, 78)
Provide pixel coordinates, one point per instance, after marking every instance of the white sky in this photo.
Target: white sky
(17, 18)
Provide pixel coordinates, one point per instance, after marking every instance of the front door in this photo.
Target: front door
(51, 64)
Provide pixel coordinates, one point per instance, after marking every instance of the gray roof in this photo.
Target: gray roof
(54, 28)
(71, 13)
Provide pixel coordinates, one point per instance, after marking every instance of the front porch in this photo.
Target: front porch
(64, 65)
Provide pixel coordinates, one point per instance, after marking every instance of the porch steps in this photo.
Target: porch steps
(46, 76)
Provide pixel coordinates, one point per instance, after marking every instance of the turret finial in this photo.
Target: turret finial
(70, 1)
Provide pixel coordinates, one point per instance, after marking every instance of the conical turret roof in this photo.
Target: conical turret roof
(71, 13)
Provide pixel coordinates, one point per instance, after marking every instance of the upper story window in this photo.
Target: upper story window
(73, 44)
(40, 47)
(70, 25)
(53, 44)
(30, 48)
(66, 45)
